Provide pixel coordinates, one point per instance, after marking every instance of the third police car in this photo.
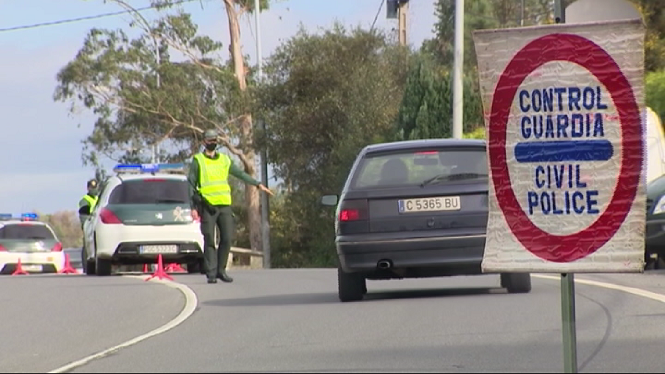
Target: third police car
(32, 242)
(143, 211)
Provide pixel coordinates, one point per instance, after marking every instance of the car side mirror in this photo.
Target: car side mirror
(329, 200)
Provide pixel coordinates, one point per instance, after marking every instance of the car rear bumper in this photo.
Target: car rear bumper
(121, 243)
(35, 262)
(130, 253)
(451, 254)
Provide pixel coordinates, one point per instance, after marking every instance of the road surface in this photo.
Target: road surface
(291, 320)
(49, 320)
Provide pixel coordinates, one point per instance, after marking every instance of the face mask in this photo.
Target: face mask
(211, 146)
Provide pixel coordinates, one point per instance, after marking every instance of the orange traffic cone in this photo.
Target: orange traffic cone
(19, 269)
(145, 268)
(67, 269)
(159, 273)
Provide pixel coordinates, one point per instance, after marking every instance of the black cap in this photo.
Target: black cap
(92, 183)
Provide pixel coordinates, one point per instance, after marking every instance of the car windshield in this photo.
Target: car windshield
(150, 191)
(414, 167)
(26, 231)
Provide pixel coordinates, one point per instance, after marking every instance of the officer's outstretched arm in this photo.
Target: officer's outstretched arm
(240, 174)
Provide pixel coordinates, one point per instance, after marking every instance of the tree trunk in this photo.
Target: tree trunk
(246, 130)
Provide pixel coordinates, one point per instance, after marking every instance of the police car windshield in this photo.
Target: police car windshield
(150, 191)
(412, 167)
(25, 232)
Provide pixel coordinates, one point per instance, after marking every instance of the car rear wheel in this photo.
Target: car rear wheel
(516, 282)
(351, 286)
(103, 267)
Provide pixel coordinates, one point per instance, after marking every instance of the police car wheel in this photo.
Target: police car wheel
(103, 267)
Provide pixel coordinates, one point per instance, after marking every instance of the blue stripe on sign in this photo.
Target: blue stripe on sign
(400, 205)
(568, 150)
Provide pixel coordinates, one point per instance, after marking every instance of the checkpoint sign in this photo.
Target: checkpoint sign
(563, 107)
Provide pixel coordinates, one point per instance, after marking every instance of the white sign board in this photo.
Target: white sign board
(563, 107)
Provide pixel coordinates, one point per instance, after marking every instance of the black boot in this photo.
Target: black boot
(224, 277)
(212, 280)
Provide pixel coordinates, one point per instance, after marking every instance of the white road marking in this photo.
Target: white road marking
(611, 286)
(191, 302)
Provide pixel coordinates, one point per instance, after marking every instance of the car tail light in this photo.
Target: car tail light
(108, 217)
(425, 153)
(353, 210)
(57, 247)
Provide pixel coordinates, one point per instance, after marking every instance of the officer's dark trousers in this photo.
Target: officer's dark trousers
(216, 222)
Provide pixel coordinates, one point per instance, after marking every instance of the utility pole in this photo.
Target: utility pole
(402, 12)
(265, 211)
(522, 16)
(398, 9)
(458, 72)
(158, 57)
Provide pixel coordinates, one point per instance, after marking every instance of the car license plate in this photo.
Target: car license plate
(34, 268)
(429, 204)
(159, 249)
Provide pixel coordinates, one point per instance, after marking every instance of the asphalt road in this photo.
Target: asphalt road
(50, 320)
(291, 320)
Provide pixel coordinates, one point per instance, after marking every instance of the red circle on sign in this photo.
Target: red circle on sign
(581, 51)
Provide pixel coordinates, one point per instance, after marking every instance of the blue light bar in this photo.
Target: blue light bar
(29, 216)
(172, 167)
(148, 168)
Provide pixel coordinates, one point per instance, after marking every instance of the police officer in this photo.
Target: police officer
(88, 201)
(211, 197)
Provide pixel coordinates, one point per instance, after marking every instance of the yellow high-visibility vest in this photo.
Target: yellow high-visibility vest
(92, 201)
(214, 179)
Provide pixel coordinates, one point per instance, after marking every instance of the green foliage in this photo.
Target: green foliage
(142, 97)
(655, 92)
(490, 14)
(326, 96)
(480, 14)
(653, 13)
(427, 106)
(478, 133)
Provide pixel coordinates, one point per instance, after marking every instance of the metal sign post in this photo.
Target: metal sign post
(568, 323)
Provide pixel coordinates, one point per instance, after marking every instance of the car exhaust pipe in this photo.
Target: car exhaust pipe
(384, 265)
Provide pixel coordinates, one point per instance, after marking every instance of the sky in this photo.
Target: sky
(41, 141)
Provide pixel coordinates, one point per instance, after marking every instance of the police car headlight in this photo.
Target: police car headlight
(660, 206)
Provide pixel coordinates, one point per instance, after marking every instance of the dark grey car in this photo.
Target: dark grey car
(414, 209)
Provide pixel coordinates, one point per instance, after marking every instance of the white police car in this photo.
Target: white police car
(33, 242)
(143, 211)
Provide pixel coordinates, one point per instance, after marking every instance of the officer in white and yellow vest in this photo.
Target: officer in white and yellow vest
(88, 201)
(211, 198)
